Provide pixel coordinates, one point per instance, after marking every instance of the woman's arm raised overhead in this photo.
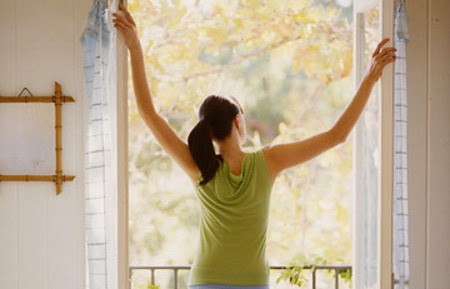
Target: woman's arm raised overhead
(283, 156)
(163, 133)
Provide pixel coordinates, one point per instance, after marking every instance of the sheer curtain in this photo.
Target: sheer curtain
(98, 41)
(400, 218)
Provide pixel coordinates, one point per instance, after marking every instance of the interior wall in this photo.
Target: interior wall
(417, 71)
(429, 143)
(42, 235)
(438, 210)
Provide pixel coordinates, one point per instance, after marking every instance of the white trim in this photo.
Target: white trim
(362, 6)
(357, 151)
(387, 152)
(122, 164)
(386, 137)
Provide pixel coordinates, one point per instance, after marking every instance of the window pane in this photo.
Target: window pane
(369, 162)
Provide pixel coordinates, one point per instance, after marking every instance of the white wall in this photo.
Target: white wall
(41, 235)
(438, 211)
(429, 142)
(417, 139)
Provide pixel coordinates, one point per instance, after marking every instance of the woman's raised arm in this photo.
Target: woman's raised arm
(163, 133)
(280, 157)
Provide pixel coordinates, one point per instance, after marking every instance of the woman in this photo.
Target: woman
(233, 186)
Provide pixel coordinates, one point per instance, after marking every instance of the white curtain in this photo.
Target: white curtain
(98, 41)
(400, 219)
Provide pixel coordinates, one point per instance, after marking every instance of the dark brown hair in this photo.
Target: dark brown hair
(216, 118)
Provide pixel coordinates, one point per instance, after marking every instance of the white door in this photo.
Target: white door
(373, 154)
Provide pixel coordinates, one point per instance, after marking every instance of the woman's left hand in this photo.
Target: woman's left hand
(381, 57)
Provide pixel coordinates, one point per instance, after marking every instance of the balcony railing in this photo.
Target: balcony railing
(175, 269)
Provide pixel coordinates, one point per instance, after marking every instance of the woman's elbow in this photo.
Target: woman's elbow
(338, 136)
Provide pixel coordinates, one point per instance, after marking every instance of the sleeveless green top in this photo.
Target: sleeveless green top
(233, 225)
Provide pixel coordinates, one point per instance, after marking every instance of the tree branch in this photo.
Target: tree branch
(256, 53)
(241, 59)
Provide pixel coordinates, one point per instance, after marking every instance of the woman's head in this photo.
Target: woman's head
(217, 116)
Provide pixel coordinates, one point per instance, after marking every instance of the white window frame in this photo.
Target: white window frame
(120, 137)
(387, 151)
(386, 181)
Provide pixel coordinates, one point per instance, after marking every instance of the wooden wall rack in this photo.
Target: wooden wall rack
(58, 178)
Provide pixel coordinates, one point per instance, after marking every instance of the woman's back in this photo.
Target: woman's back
(233, 225)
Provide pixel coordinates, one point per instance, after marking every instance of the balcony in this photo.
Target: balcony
(315, 275)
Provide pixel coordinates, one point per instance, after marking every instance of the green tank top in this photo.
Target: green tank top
(233, 225)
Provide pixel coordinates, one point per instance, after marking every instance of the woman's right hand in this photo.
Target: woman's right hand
(125, 24)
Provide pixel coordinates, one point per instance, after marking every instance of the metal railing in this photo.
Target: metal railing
(176, 269)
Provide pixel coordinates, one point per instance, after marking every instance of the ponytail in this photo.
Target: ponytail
(216, 119)
(202, 151)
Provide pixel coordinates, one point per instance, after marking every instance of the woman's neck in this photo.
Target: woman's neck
(232, 153)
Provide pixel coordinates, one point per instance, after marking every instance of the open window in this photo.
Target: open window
(373, 154)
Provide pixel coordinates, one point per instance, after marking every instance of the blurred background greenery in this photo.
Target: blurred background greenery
(290, 65)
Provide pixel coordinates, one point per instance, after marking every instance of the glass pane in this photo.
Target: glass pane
(369, 164)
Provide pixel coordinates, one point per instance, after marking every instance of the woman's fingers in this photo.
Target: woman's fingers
(387, 52)
(130, 18)
(379, 46)
(381, 57)
(124, 21)
(385, 56)
(127, 14)
(126, 30)
(124, 24)
(119, 23)
(387, 59)
(125, 17)
(383, 61)
(120, 27)
(387, 49)
(118, 17)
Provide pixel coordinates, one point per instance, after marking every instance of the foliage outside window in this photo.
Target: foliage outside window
(289, 63)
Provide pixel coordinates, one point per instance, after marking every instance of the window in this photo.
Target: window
(373, 154)
(376, 148)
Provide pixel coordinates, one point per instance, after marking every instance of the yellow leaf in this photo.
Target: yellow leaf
(347, 64)
(296, 65)
(252, 3)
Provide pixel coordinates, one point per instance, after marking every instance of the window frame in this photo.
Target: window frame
(120, 135)
(385, 202)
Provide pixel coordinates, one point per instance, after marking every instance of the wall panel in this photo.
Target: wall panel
(42, 236)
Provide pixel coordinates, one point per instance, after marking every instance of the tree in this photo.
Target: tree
(289, 64)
